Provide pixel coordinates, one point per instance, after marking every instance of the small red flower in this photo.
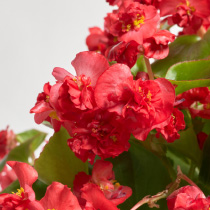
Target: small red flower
(101, 191)
(99, 40)
(176, 123)
(185, 13)
(44, 110)
(188, 198)
(133, 21)
(157, 45)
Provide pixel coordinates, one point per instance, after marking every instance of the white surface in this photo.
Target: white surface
(35, 37)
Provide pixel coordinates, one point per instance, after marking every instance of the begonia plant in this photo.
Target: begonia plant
(131, 127)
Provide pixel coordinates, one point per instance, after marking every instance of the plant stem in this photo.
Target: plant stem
(149, 69)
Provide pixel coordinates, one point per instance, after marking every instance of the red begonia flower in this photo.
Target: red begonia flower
(197, 100)
(157, 45)
(185, 13)
(26, 175)
(7, 141)
(201, 137)
(99, 133)
(188, 198)
(176, 123)
(99, 40)
(144, 104)
(7, 176)
(133, 21)
(123, 52)
(73, 94)
(108, 192)
(44, 110)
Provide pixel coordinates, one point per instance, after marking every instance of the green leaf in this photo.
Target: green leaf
(143, 172)
(189, 74)
(139, 66)
(184, 48)
(187, 146)
(31, 140)
(39, 188)
(57, 162)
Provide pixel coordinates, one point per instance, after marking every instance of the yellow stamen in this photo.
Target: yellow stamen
(208, 106)
(149, 95)
(19, 192)
(128, 28)
(47, 99)
(139, 21)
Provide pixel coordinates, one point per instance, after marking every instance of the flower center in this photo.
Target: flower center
(133, 24)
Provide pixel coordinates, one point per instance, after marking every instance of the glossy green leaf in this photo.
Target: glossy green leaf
(139, 66)
(189, 74)
(57, 162)
(21, 153)
(184, 48)
(143, 172)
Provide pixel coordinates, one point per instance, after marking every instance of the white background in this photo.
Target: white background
(35, 37)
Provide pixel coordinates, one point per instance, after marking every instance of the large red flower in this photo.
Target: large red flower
(99, 133)
(73, 94)
(188, 198)
(144, 104)
(133, 21)
(101, 191)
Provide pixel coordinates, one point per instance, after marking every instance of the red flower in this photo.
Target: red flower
(99, 40)
(133, 21)
(176, 123)
(101, 191)
(99, 133)
(7, 141)
(73, 94)
(44, 110)
(185, 12)
(26, 175)
(123, 52)
(144, 104)
(157, 45)
(197, 100)
(187, 198)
